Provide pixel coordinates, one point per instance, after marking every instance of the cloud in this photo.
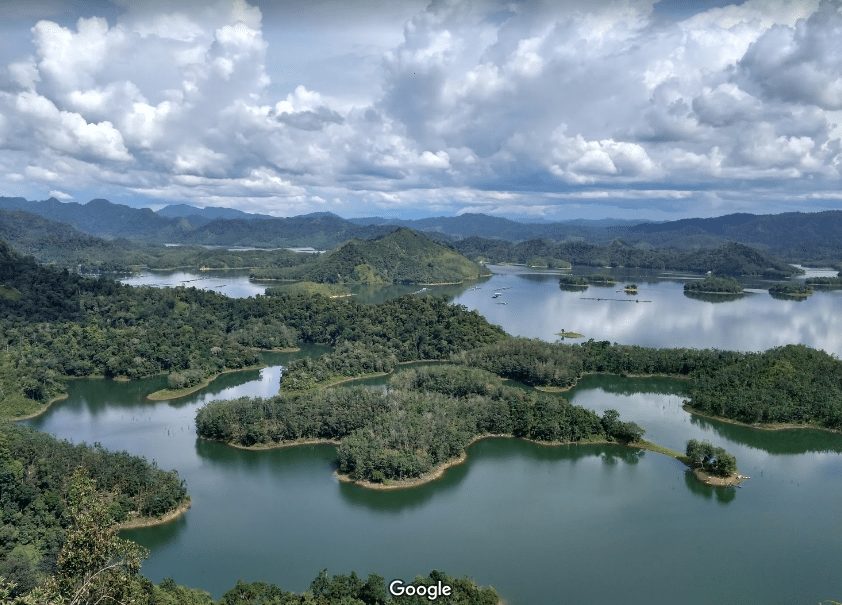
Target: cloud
(541, 107)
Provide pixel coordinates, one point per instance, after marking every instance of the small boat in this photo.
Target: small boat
(495, 295)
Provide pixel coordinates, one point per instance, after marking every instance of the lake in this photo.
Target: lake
(536, 307)
(544, 525)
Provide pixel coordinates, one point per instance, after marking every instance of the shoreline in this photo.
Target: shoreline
(280, 445)
(168, 394)
(141, 522)
(772, 426)
(555, 389)
(44, 408)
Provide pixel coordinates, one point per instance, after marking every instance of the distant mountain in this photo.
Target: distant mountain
(812, 237)
(402, 256)
(484, 225)
(805, 236)
(105, 219)
(210, 213)
(726, 259)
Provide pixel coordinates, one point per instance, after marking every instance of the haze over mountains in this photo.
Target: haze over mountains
(793, 236)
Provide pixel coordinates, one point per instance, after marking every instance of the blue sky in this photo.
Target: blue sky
(553, 110)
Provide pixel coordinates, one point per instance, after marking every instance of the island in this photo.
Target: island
(714, 285)
(791, 290)
(630, 288)
(400, 257)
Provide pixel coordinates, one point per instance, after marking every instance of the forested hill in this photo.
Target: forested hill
(727, 259)
(792, 235)
(62, 245)
(108, 220)
(403, 256)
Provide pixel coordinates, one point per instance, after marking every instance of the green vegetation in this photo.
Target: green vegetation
(792, 384)
(791, 290)
(309, 288)
(714, 285)
(548, 263)
(94, 565)
(824, 282)
(64, 325)
(727, 259)
(599, 279)
(425, 419)
(34, 473)
(710, 459)
(62, 245)
(402, 256)
(630, 288)
(572, 282)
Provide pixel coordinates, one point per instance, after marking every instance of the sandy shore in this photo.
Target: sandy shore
(139, 522)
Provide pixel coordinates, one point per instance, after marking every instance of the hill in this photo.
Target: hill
(797, 236)
(402, 256)
(108, 220)
(62, 245)
(210, 213)
(727, 259)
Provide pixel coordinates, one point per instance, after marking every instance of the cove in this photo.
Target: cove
(579, 524)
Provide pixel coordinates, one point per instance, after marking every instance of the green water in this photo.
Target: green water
(545, 525)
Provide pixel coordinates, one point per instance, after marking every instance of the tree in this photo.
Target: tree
(95, 565)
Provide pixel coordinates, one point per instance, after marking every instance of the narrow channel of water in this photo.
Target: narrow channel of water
(545, 525)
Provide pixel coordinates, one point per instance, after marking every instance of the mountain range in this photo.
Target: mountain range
(804, 237)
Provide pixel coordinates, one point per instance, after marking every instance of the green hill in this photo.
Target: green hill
(402, 256)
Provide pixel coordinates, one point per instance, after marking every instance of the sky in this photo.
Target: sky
(550, 110)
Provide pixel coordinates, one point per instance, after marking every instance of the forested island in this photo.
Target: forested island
(791, 290)
(714, 285)
(824, 282)
(414, 429)
(583, 281)
(727, 259)
(399, 257)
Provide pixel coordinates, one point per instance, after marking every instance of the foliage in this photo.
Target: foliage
(427, 417)
(714, 285)
(402, 256)
(64, 325)
(726, 259)
(824, 282)
(791, 290)
(791, 384)
(34, 518)
(714, 460)
(96, 566)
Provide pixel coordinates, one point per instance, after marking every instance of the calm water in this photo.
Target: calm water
(545, 525)
(536, 307)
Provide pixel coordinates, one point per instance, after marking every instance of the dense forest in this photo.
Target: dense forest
(791, 290)
(402, 256)
(62, 245)
(727, 259)
(824, 282)
(704, 456)
(425, 418)
(714, 285)
(34, 471)
(82, 560)
(57, 324)
(790, 384)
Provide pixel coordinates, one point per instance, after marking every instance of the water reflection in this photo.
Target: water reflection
(722, 495)
(537, 308)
